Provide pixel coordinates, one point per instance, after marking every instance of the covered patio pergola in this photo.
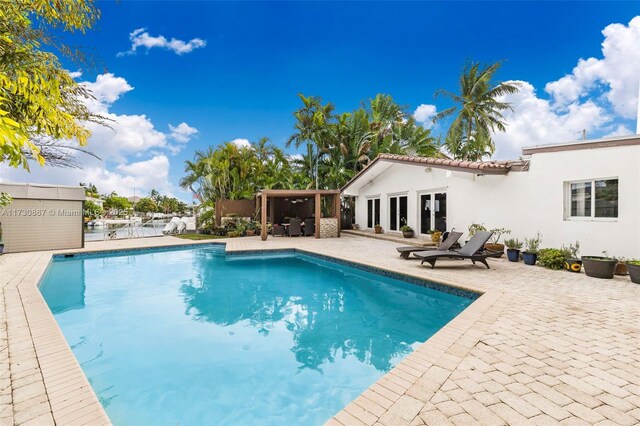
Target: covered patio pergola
(276, 204)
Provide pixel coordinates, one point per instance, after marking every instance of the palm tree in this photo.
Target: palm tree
(311, 128)
(478, 112)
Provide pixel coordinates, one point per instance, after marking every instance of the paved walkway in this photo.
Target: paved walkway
(538, 347)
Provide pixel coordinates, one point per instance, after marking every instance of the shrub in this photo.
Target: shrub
(406, 228)
(513, 243)
(634, 262)
(220, 231)
(551, 258)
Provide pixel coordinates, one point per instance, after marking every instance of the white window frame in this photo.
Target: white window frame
(373, 199)
(389, 197)
(433, 193)
(592, 218)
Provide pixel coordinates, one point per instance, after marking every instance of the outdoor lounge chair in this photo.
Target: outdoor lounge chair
(471, 251)
(295, 228)
(445, 245)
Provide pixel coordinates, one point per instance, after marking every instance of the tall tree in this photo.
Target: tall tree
(312, 128)
(477, 113)
(41, 106)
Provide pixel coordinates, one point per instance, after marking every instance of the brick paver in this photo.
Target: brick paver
(538, 347)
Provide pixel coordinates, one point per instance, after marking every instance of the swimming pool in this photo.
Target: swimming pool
(192, 336)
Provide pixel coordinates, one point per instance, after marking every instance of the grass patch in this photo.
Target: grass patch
(199, 236)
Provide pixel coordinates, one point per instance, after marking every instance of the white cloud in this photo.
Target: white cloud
(617, 73)
(130, 136)
(106, 89)
(141, 38)
(296, 157)
(182, 132)
(75, 74)
(241, 143)
(143, 176)
(620, 130)
(598, 96)
(424, 113)
(534, 121)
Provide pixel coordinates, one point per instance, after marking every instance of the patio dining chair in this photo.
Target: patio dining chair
(278, 231)
(295, 228)
(309, 227)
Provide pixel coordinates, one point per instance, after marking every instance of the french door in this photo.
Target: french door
(433, 212)
(397, 212)
(373, 212)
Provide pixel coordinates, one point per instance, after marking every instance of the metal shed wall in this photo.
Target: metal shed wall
(42, 217)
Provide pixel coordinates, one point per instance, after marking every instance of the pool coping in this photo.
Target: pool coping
(72, 400)
(514, 356)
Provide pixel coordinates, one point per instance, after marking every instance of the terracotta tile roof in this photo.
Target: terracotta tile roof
(476, 167)
(495, 166)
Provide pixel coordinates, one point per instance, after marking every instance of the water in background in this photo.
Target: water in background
(192, 337)
(148, 230)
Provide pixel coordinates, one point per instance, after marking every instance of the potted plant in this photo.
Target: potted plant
(435, 235)
(530, 255)
(407, 231)
(251, 229)
(377, 228)
(572, 262)
(633, 265)
(599, 266)
(475, 227)
(494, 242)
(513, 249)
(241, 227)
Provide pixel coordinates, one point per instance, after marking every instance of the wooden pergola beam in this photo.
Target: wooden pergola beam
(263, 217)
(318, 214)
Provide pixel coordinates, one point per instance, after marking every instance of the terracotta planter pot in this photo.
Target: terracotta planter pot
(634, 272)
(621, 269)
(251, 232)
(495, 247)
(573, 265)
(378, 229)
(435, 236)
(599, 267)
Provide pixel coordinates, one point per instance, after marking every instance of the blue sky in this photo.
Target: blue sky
(239, 77)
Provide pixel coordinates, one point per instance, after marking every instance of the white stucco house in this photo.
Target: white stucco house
(586, 191)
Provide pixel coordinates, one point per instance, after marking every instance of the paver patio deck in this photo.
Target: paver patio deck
(538, 347)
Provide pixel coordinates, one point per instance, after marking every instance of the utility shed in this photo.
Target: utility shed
(42, 217)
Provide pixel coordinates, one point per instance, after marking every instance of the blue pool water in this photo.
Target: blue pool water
(194, 337)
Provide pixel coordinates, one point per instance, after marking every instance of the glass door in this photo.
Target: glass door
(433, 212)
(373, 212)
(397, 212)
(440, 211)
(425, 213)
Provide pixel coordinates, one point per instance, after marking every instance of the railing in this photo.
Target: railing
(131, 228)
